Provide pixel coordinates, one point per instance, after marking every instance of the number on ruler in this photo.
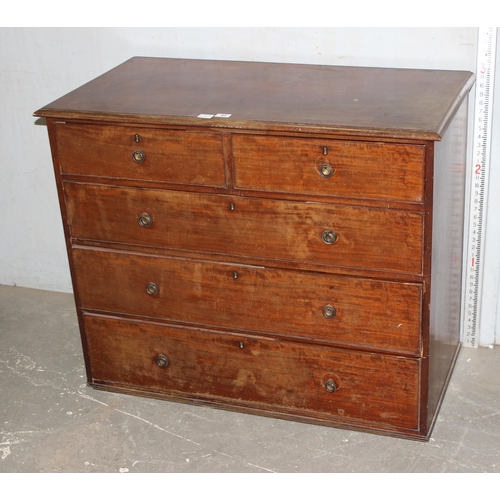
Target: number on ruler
(479, 181)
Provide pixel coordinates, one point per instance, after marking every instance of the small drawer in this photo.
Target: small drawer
(140, 153)
(341, 310)
(246, 371)
(313, 233)
(364, 170)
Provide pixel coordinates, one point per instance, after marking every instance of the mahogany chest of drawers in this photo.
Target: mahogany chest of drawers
(279, 239)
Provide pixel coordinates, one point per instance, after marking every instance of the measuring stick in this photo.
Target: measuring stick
(479, 185)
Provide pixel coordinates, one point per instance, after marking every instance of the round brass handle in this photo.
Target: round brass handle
(138, 156)
(326, 170)
(152, 289)
(329, 312)
(162, 361)
(330, 386)
(329, 237)
(145, 220)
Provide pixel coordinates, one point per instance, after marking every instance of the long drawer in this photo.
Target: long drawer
(337, 309)
(354, 169)
(316, 233)
(184, 157)
(246, 370)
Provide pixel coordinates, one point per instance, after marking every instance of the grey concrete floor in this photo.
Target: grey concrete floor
(51, 421)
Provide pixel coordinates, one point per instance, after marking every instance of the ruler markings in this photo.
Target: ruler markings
(478, 185)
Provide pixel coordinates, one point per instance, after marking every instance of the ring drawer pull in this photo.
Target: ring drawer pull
(329, 312)
(145, 220)
(152, 289)
(330, 386)
(162, 361)
(329, 237)
(326, 170)
(138, 156)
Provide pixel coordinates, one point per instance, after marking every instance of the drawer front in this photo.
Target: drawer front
(248, 371)
(351, 169)
(368, 238)
(168, 155)
(337, 309)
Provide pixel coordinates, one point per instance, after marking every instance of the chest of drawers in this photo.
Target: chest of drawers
(279, 239)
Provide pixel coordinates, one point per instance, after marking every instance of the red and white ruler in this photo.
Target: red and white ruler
(479, 179)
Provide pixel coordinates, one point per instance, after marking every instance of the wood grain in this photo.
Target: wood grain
(447, 257)
(170, 156)
(276, 229)
(369, 313)
(238, 208)
(268, 373)
(361, 170)
(397, 103)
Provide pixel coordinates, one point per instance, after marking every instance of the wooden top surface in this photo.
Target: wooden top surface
(400, 103)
